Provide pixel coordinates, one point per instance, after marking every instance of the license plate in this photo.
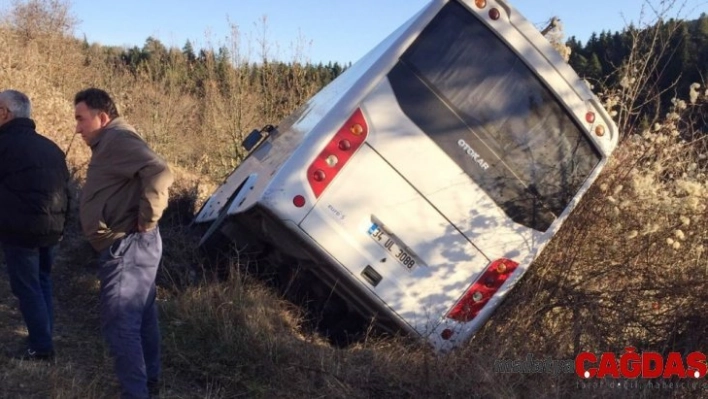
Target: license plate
(391, 246)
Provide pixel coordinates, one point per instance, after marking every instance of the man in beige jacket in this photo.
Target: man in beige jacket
(123, 198)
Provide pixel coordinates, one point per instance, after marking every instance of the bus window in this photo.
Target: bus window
(501, 125)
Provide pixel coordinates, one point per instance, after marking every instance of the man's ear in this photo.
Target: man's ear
(104, 118)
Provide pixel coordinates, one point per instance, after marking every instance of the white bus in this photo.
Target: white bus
(422, 182)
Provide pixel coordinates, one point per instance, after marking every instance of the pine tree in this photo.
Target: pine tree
(188, 52)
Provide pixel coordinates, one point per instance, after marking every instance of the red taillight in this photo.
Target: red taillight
(446, 334)
(345, 145)
(299, 201)
(319, 175)
(590, 117)
(482, 290)
(494, 14)
(337, 152)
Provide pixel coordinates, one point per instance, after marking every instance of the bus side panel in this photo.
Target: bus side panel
(331, 110)
(304, 130)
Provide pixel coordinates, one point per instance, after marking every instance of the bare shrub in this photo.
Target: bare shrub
(34, 19)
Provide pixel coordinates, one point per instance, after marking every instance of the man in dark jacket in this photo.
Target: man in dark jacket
(34, 202)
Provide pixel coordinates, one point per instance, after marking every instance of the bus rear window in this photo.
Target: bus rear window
(478, 101)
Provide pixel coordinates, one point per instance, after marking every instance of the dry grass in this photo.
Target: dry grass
(627, 269)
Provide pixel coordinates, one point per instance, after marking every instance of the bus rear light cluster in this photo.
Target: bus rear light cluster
(337, 152)
(599, 129)
(482, 290)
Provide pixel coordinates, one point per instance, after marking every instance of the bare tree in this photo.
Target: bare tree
(34, 18)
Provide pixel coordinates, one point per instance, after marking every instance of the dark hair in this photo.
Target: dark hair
(98, 100)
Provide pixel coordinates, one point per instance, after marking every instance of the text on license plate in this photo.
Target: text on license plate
(388, 243)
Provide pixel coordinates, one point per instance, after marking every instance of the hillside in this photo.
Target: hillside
(628, 269)
(677, 51)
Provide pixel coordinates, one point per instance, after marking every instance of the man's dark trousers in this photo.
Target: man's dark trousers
(128, 310)
(30, 280)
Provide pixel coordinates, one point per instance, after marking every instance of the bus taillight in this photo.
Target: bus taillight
(590, 117)
(337, 152)
(299, 201)
(482, 290)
